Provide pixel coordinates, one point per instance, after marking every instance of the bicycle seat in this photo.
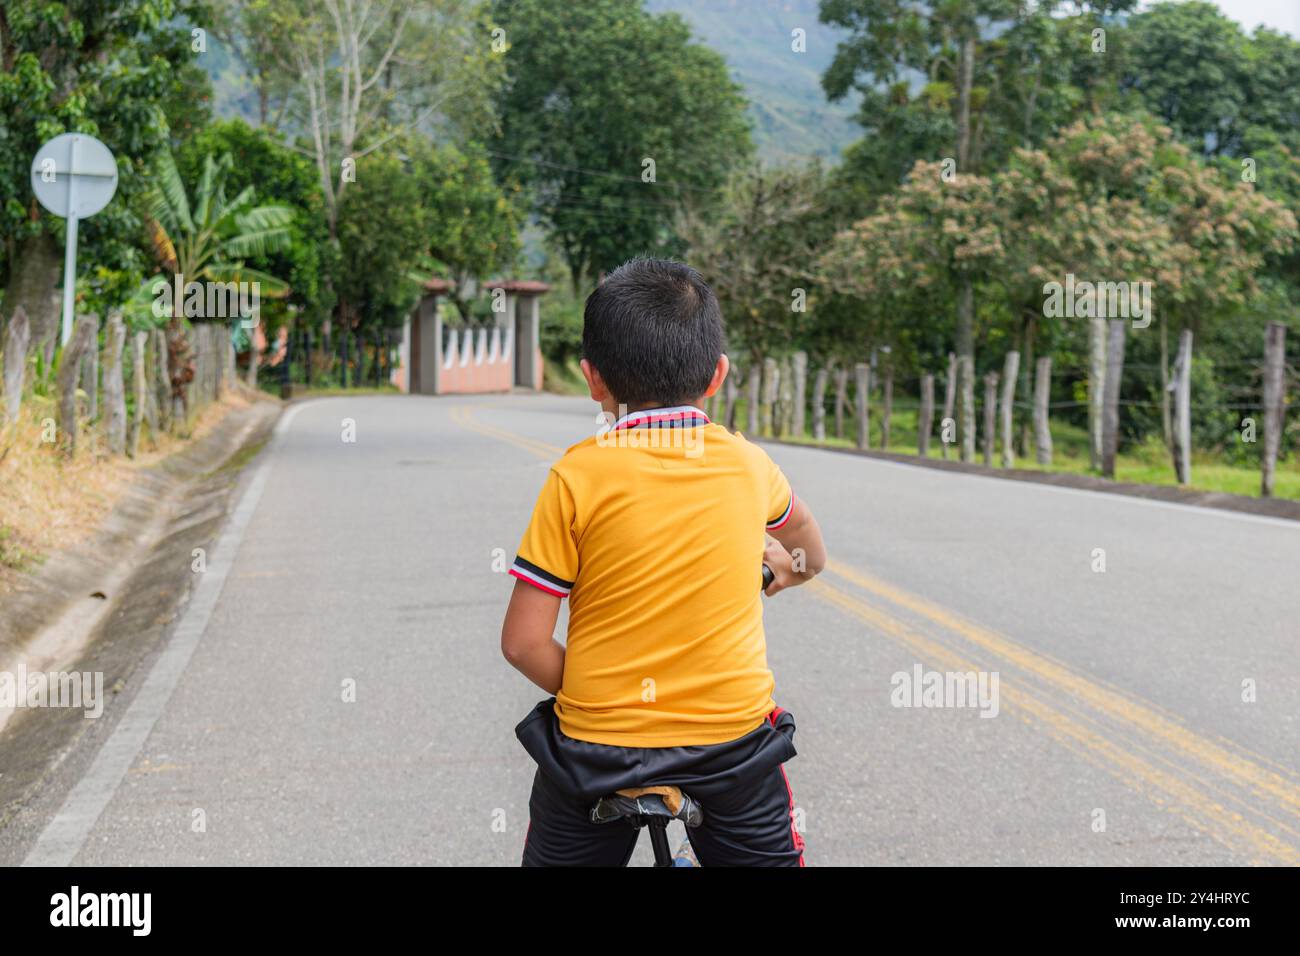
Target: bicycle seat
(643, 804)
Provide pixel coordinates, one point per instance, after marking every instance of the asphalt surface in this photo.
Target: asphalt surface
(1121, 735)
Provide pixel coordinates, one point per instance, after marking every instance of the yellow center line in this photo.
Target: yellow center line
(1208, 815)
(1135, 714)
(463, 415)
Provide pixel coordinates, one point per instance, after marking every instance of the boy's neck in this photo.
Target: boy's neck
(613, 407)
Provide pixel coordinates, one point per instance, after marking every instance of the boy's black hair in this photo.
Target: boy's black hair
(653, 329)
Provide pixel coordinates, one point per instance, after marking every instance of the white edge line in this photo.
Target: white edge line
(66, 832)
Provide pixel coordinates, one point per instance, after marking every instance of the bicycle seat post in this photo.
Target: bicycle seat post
(659, 840)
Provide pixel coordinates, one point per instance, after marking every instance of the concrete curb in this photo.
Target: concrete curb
(193, 488)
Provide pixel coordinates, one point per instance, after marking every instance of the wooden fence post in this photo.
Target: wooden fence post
(1010, 373)
(150, 395)
(798, 422)
(140, 389)
(1110, 406)
(1096, 390)
(49, 342)
(949, 395)
(771, 382)
(886, 405)
(90, 377)
(162, 380)
(925, 421)
(1274, 358)
(17, 337)
(254, 356)
(114, 387)
(212, 363)
(220, 333)
(1181, 386)
(841, 397)
(196, 398)
(753, 396)
(967, 398)
(819, 403)
(83, 339)
(862, 400)
(990, 415)
(783, 422)
(1042, 398)
(730, 388)
(220, 336)
(230, 378)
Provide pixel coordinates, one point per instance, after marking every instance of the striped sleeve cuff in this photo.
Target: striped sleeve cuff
(783, 517)
(538, 577)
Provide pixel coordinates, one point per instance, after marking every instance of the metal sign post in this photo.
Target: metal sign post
(73, 175)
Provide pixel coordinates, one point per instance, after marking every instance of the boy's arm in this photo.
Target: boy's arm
(798, 553)
(527, 640)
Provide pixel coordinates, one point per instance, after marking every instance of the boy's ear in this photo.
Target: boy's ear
(719, 375)
(595, 384)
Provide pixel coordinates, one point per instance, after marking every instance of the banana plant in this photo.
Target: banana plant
(204, 237)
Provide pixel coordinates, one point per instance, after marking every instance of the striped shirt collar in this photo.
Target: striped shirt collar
(676, 416)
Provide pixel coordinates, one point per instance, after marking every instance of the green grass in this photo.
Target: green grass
(329, 391)
(13, 556)
(240, 458)
(1148, 465)
(563, 379)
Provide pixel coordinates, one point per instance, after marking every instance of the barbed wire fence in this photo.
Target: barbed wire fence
(112, 385)
(1234, 409)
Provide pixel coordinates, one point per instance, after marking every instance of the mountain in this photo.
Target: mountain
(792, 118)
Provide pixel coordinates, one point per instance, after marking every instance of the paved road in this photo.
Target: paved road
(1121, 735)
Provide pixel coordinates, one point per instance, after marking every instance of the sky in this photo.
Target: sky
(1281, 15)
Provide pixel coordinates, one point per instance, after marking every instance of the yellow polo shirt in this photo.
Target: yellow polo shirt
(654, 530)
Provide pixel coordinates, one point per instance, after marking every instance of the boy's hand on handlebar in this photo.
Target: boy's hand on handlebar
(776, 557)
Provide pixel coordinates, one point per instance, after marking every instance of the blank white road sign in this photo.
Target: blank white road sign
(74, 174)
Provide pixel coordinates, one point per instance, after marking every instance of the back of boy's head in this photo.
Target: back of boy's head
(653, 329)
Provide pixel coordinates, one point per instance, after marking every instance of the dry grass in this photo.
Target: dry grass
(49, 502)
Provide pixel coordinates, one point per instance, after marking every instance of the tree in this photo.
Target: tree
(1272, 98)
(383, 229)
(365, 72)
(935, 232)
(248, 28)
(612, 119)
(1115, 198)
(757, 248)
(968, 80)
(889, 39)
(207, 240)
(1187, 64)
(114, 70)
(473, 228)
(358, 75)
(281, 177)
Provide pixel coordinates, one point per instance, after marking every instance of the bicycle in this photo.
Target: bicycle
(654, 807)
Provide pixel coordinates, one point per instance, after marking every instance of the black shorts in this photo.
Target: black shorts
(749, 811)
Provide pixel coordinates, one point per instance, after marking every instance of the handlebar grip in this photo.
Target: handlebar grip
(768, 577)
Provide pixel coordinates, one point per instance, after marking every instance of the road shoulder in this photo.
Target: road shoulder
(149, 539)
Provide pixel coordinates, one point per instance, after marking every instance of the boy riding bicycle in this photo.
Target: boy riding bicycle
(656, 529)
